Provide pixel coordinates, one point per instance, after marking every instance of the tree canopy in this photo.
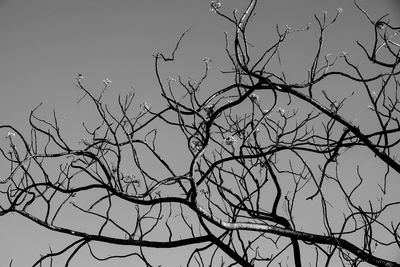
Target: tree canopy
(272, 171)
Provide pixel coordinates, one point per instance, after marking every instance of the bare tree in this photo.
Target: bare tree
(270, 175)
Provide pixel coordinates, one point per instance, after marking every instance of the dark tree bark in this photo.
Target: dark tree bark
(264, 174)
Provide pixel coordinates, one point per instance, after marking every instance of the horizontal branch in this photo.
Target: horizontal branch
(119, 241)
(303, 236)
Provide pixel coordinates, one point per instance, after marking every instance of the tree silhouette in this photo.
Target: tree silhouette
(270, 171)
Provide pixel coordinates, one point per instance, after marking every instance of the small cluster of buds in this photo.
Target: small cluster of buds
(230, 141)
(254, 98)
(107, 82)
(145, 106)
(215, 5)
(209, 109)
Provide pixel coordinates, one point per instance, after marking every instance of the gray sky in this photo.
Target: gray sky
(45, 43)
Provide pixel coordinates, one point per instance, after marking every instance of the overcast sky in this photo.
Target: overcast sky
(45, 43)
